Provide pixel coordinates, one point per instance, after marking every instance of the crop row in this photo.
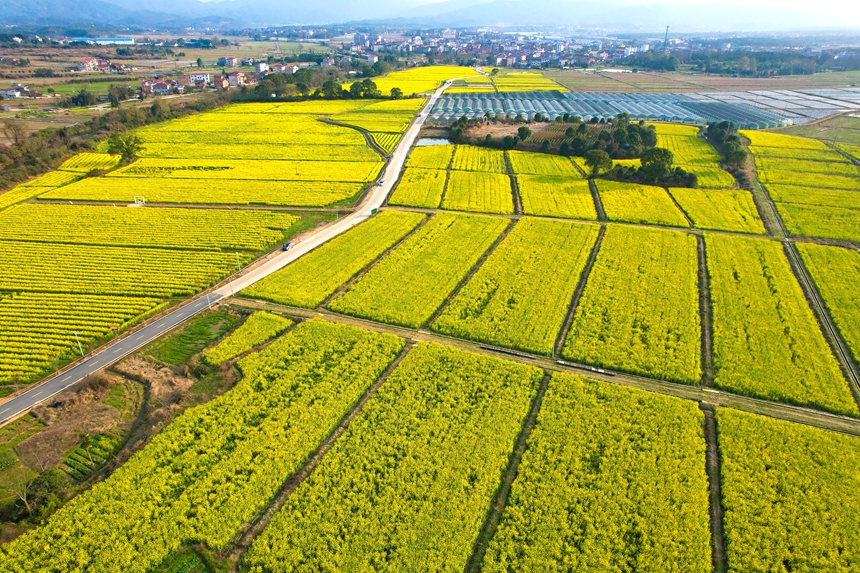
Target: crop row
(86, 162)
(217, 465)
(258, 328)
(201, 229)
(481, 159)
(720, 209)
(479, 192)
(636, 203)
(430, 156)
(420, 188)
(258, 151)
(556, 196)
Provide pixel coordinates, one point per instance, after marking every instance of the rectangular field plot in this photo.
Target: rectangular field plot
(409, 284)
(472, 158)
(83, 269)
(257, 151)
(768, 164)
(520, 295)
(809, 179)
(200, 229)
(639, 204)
(720, 209)
(606, 467)
(19, 194)
(257, 329)
(86, 162)
(525, 81)
(813, 196)
(311, 279)
(213, 468)
(818, 221)
(37, 329)
(693, 154)
(825, 154)
(413, 476)
(779, 140)
(420, 188)
(789, 494)
(208, 191)
(554, 196)
(836, 272)
(319, 171)
(640, 308)
(430, 156)
(542, 164)
(479, 193)
(767, 341)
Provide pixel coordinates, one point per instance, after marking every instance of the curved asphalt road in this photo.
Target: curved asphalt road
(22, 403)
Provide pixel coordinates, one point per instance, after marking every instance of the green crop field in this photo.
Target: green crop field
(640, 308)
(639, 204)
(314, 277)
(720, 209)
(430, 156)
(479, 192)
(413, 475)
(472, 158)
(789, 495)
(604, 466)
(520, 296)
(420, 188)
(186, 484)
(767, 341)
(555, 196)
(260, 327)
(836, 272)
(408, 285)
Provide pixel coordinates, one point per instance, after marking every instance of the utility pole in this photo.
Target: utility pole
(666, 41)
(81, 348)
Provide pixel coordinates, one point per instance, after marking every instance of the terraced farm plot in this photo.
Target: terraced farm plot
(473, 158)
(308, 133)
(639, 311)
(824, 168)
(19, 194)
(201, 229)
(413, 476)
(311, 279)
(693, 154)
(87, 269)
(606, 465)
(822, 154)
(836, 272)
(525, 81)
(767, 341)
(778, 140)
(479, 193)
(214, 467)
(430, 156)
(852, 150)
(257, 329)
(813, 196)
(38, 329)
(308, 171)
(53, 179)
(408, 285)
(789, 495)
(818, 221)
(720, 209)
(86, 162)
(387, 141)
(520, 295)
(788, 176)
(529, 163)
(635, 203)
(208, 192)
(554, 196)
(420, 188)
(260, 151)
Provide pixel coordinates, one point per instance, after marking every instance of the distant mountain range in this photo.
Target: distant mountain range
(449, 13)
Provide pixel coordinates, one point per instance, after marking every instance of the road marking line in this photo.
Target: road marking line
(181, 314)
(161, 325)
(36, 394)
(94, 363)
(139, 337)
(6, 410)
(66, 378)
(117, 350)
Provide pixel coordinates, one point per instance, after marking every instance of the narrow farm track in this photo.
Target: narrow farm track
(715, 496)
(787, 412)
(341, 210)
(134, 340)
(705, 315)
(598, 203)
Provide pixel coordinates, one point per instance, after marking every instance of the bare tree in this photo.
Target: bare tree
(14, 130)
(19, 486)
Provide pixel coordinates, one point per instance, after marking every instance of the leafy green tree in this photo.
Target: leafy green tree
(396, 93)
(126, 145)
(598, 160)
(657, 162)
(524, 133)
(199, 62)
(331, 89)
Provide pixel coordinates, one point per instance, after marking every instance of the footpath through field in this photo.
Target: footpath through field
(23, 402)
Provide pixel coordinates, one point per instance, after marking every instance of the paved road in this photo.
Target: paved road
(128, 344)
